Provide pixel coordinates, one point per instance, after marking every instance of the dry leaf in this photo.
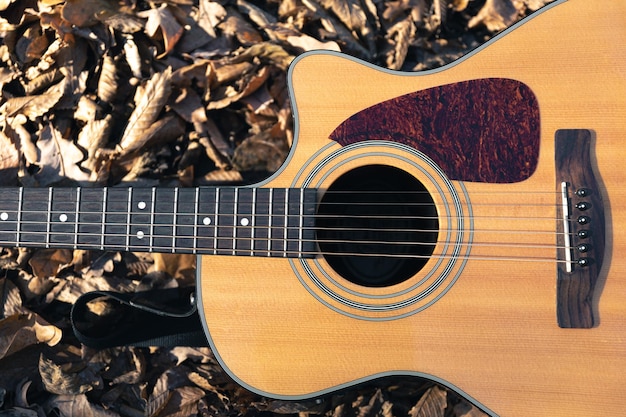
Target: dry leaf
(236, 26)
(86, 13)
(22, 330)
(432, 404)
(309, 43)
(162, 20)
(465, 409)
(401, 33)
(495, 15)
(31, 106)
(47, 262)
(210, 14)
(92, 137)
(77, 405)
(107, 82)
(63, 380)
(9, 159)
(10, 300)
(149, 102)
(58, 158)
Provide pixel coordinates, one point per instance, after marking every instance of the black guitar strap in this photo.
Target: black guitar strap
(166, 318)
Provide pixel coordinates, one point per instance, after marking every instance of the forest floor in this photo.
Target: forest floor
(177, 93)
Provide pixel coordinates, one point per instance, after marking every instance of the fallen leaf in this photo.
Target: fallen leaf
(22, 330)
(495, 15)
(210, 14)
(10, 300)
(63, 380)
(31, 106)
(86, 13)
(432, 404)
(9, 159)
(162, 20)
(47, 262)
(309, 43)
(107, 82)
(149, 102)
(236, 26)
(58, 158)
(76, 405)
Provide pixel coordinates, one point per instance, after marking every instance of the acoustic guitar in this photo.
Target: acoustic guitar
(461, 224)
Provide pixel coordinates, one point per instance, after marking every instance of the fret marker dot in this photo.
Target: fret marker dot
(244, 221)
(206, 221)
(141, 205)
(140, 235)
(4, 216)
(63, 217)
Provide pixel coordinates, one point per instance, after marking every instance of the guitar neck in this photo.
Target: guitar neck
(274, 222)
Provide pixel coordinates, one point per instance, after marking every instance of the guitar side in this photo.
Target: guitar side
(490, 331)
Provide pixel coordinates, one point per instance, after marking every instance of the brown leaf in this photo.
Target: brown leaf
(188, 105)
(10, 300)
(162, 20)
(260, 153)
(149, 102)
(227, 95)
(309, 43)
(22, 330)
(164, 130)
(77, 405)
(338, 30)
(236, 26)
(58, 158)
(47, 262)
(210, 14)
(9, 157)
(377, 406)
(400, 35)
(465, 409)
(432, 404)
(495, 15)
(92, 137)
(107, 82)
(32, 106)
(86, 13)
(182, 402)
(64, 380)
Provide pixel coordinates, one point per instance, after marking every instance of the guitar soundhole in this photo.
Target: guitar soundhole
(377, 226)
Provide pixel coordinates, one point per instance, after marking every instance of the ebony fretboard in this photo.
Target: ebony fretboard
(222, 221)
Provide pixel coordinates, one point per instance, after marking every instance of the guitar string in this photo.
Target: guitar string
(70, 223)
(279, 215)
(279, 253)
(270, 241)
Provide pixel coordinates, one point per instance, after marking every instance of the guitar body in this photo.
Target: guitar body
(479, 313)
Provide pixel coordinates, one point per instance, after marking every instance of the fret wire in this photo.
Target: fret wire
(301, 220)
(76, 217)
(175, 218)
(215, 228)
(49, 217)
(271, 213)
(286, 221)
(152, 206)
(235, 220)
(104, 211)
(19, 213)
(253, 221)
(129, 208)
(195, 221)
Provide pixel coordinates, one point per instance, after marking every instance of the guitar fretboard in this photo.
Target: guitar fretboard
(274, 222)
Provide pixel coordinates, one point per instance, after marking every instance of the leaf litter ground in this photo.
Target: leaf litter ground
(177, 93)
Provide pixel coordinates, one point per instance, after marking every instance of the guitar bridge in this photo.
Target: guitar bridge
(580, 229)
